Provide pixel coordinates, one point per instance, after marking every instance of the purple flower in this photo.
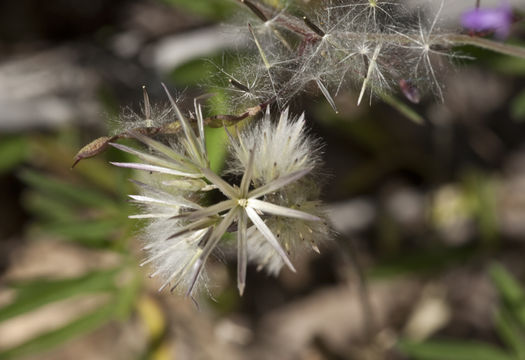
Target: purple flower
(498, 19)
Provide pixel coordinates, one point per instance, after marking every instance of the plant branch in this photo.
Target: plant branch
(502, 48)
(294, 25)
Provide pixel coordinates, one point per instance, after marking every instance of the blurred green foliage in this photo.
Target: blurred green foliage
(517, 107)
(509, 321)
(14, 152)
(209, 9)
(453, 350)
(86, 207)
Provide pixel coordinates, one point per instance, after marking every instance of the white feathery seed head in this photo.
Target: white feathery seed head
(274, 208)
(168, 255)
(172, 258)
(282, 147)
(296, 236)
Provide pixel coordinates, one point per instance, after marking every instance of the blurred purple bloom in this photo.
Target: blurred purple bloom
(497, 19)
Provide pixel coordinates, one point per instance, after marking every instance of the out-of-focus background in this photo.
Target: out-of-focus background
(429, 257)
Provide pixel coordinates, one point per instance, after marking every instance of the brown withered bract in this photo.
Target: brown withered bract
(93, 148)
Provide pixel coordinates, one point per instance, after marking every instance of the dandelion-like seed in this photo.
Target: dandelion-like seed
(248, 87)
(423, 43)
(369, 44)
(150, 116)
(182, 233)
(426, 44)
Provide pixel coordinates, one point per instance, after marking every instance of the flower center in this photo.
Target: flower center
(242, 202)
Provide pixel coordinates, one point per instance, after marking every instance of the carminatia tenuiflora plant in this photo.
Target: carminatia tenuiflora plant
(267, 198)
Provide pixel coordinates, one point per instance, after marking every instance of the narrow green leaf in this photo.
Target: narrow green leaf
(127, 296)
(421, 262)
(13, 151)
(510, 332)
(32, 295)
(217, 138)
(94, 233)
(217, 144)
(453, 350)
(507, 285)
(511, 291)
(211, 9)
(509, 65)
(517, 107)
(60, 189)
(48, 207)
(480, 193)
(403, 108)
(51, 339)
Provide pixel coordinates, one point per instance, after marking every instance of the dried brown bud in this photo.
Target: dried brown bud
(93, 148)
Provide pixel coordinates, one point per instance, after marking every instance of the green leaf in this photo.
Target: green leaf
(517, 107)
(62, 190)
(421, 262)
(507, 285)
(480, 191)
(403, 108)
(48, 207)
(509, 65)
(32, 295)
(110, 179)
(51, 339)
(211, 9)
(216, 142)
(94, 232)
(58, 155)
(193, 72)
(13, 151)
(510, 332)
(511, 291)
(217, 138)
(453, 350)
(128, 295)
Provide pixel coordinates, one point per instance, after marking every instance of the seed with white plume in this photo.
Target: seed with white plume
(370, 45)
(150, 115)
(282, 148)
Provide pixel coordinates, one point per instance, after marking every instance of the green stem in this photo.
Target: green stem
(507, 49)
(442, 39)
(446, 40)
